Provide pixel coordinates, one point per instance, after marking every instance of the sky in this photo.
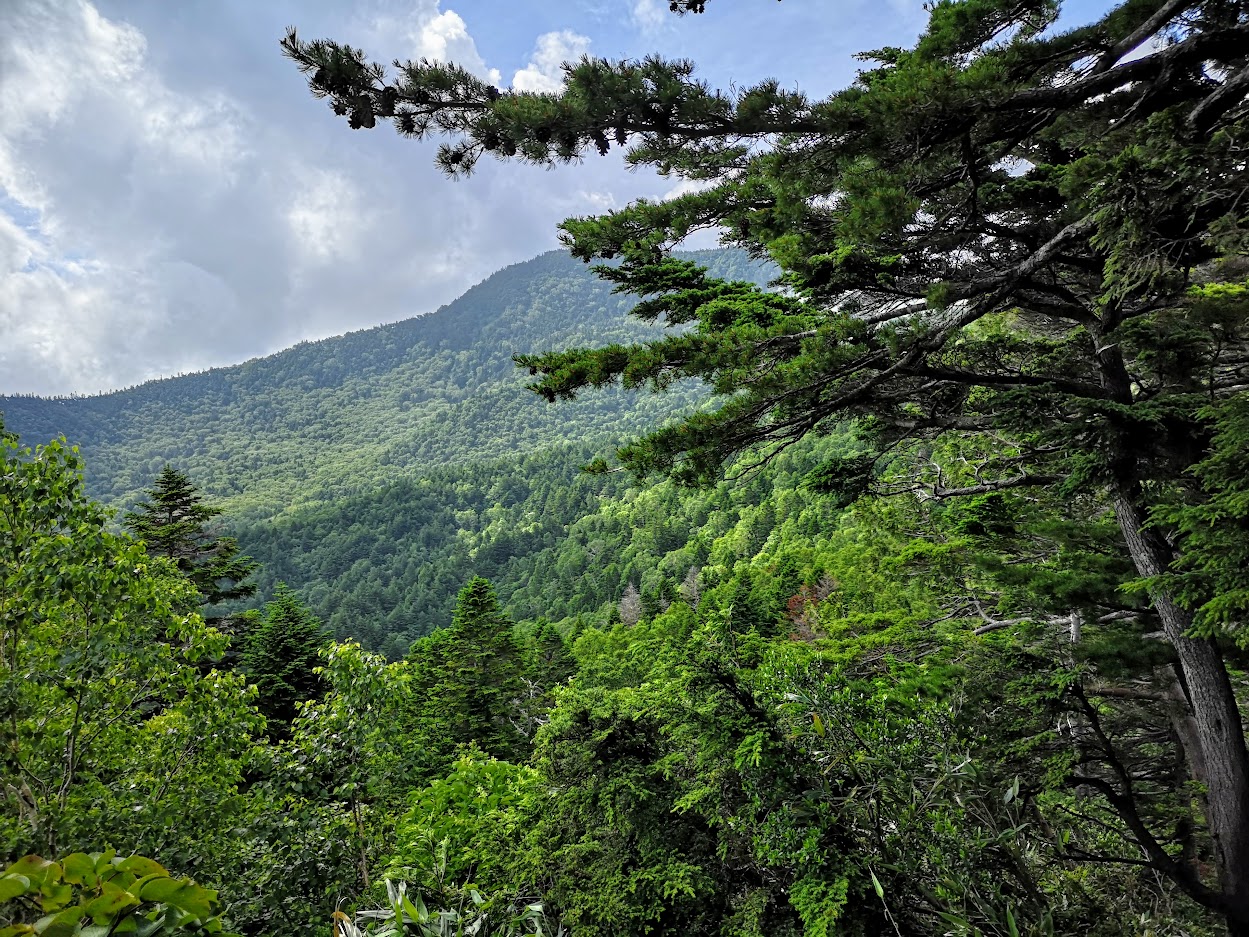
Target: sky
(172, 198)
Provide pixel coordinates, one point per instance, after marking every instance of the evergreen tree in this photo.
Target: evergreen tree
(548, 665)
(175, 523)
(1008, 232)
(550, 662)
(280, 656)
(485, 665)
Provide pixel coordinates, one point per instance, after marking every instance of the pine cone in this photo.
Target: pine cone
(362, 114)
(386, 102)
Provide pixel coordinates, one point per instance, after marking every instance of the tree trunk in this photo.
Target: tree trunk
(1216, 718)
(1183, 725)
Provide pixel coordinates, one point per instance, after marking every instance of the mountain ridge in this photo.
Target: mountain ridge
(329, 417)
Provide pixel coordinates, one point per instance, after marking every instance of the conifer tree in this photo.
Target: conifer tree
(485, 665)
(1009, 232)
(175, 522)
(282, 651)
(550, 662)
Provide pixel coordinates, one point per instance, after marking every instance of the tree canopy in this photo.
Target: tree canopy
(281, 656)
(113, 728)
(1024, 237)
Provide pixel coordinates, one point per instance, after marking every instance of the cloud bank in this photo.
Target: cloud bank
(172, 198)
(149, 228)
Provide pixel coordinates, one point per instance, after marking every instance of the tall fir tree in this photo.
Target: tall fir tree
(550, 663)
(176, 523)
(280, 656)
(486, 666)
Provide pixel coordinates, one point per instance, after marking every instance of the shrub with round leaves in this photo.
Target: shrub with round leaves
(100, 893)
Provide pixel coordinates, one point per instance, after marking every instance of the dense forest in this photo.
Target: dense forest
(384, 568)
(328, 418)
(911, 603)
(358, 470)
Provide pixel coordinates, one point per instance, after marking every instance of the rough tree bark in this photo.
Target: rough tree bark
(1216, 715)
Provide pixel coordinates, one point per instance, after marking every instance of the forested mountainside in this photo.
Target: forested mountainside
(730, 671)
(384, 567)
(341, 415)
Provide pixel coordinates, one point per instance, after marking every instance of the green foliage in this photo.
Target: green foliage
(471, 914)
(384, 568)
(486, 662)
(173, 524)
(323, 799)
(549, 664)
(807, 738)
(470, 678)
(102, 893)
(989, 236)
(1214, 574)
(462, 831)
(325, 420)
(281, 656)
(111, 730)
(1012, 333)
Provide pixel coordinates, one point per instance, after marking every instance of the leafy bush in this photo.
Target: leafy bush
(99, 894)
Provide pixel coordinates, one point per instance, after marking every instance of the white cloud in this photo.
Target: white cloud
(71, 63)
(424, 31)
(445, 38)
(171, 197)
(598, 201)
(648, 15)
(69, 320)
(108, 53)
(208, 134)
(324, 218)
(686, 186)
(151, 222)
(551, 50)
(84, 280)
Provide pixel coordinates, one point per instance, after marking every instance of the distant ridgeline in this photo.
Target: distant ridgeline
(378, 471)
(339, 416)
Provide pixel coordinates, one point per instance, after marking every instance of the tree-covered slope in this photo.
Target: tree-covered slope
(328, 418)
(383, 567)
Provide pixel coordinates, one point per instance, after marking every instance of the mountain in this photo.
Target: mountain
(325, 420)
(378, 471)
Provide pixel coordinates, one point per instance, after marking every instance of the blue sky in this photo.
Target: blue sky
(172, 198)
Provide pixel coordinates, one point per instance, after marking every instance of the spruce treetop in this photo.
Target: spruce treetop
(281, 656)
(175, 522)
